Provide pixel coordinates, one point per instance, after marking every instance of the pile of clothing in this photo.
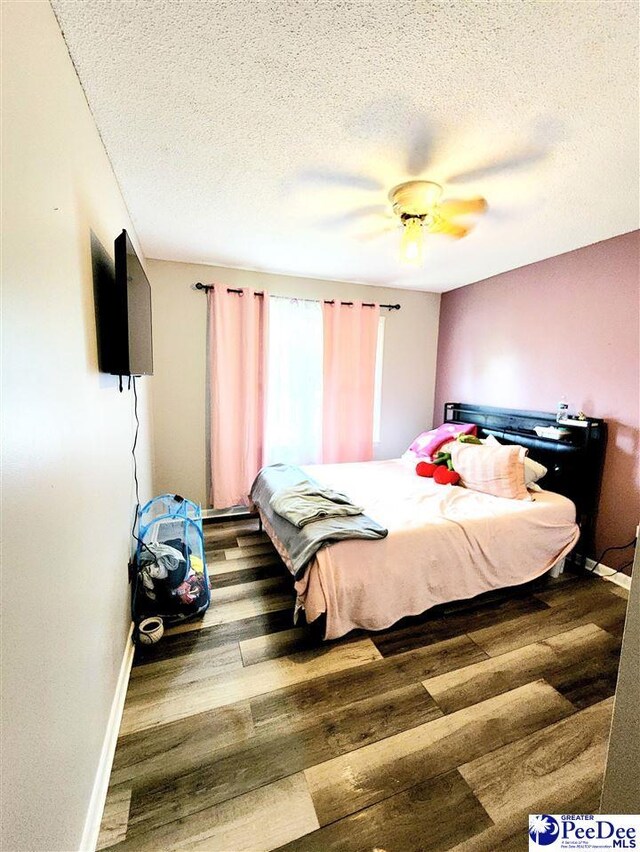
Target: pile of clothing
(308, 502)
(172, 580)
(304, 515)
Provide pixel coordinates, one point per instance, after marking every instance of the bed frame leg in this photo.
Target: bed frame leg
(557, 569)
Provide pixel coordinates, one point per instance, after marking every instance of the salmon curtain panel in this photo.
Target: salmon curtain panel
(350, 339)
(237, 332)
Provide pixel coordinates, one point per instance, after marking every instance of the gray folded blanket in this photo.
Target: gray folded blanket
(302, 543)
(303, 504)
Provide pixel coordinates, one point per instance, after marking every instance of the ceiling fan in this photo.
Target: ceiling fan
(418, 205)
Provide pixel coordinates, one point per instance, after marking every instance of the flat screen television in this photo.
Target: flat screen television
(125, 346)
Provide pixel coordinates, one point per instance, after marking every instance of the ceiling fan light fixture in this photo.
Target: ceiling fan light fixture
(415, 197)
(411, 244)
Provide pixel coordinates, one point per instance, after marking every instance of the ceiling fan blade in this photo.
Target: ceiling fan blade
(462, 206)
(379, 232)
(341, 220)
(449, 229)
(508, 164)
(419, 153)
(353, 181)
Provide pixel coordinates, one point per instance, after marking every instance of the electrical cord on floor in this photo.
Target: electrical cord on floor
(604, 553)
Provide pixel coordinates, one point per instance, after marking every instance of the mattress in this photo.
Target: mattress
(445, 543)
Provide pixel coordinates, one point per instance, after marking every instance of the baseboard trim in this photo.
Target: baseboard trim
(609, 574)
(236, 513)
(101, 782)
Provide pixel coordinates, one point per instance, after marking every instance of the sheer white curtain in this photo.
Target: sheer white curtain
(293, 429)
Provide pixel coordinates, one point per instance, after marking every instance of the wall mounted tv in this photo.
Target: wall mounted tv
(123, 306)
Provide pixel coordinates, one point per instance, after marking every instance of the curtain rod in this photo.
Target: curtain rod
(206, 287)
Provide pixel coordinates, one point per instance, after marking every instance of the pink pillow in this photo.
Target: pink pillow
(427, 444)
(492, 470)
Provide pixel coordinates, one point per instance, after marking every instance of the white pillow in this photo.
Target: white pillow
(491, 439)
(533, 470)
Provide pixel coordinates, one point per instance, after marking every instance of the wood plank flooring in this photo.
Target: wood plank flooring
(242, 731)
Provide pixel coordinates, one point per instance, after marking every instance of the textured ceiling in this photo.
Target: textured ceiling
(247, 132)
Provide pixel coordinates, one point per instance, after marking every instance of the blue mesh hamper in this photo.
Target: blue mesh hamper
(171, 578)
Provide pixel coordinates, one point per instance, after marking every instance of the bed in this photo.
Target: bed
(444, 543)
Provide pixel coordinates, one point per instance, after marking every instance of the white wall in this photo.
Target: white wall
(180, 325)
(67, 434)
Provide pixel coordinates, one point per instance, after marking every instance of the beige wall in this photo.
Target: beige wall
(180, 325)
(67, 433)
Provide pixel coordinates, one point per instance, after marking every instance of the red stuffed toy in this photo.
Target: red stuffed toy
(443, 476)
(424, 468)
(440, 473)
(441, 469)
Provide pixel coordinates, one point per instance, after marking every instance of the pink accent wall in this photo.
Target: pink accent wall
(568, 326)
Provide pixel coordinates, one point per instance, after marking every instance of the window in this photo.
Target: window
(293, 428)
(295, 417)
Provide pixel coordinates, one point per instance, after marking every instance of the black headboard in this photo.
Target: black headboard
(574, 463)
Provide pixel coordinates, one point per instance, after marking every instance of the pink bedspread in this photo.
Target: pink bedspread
(445, 543)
